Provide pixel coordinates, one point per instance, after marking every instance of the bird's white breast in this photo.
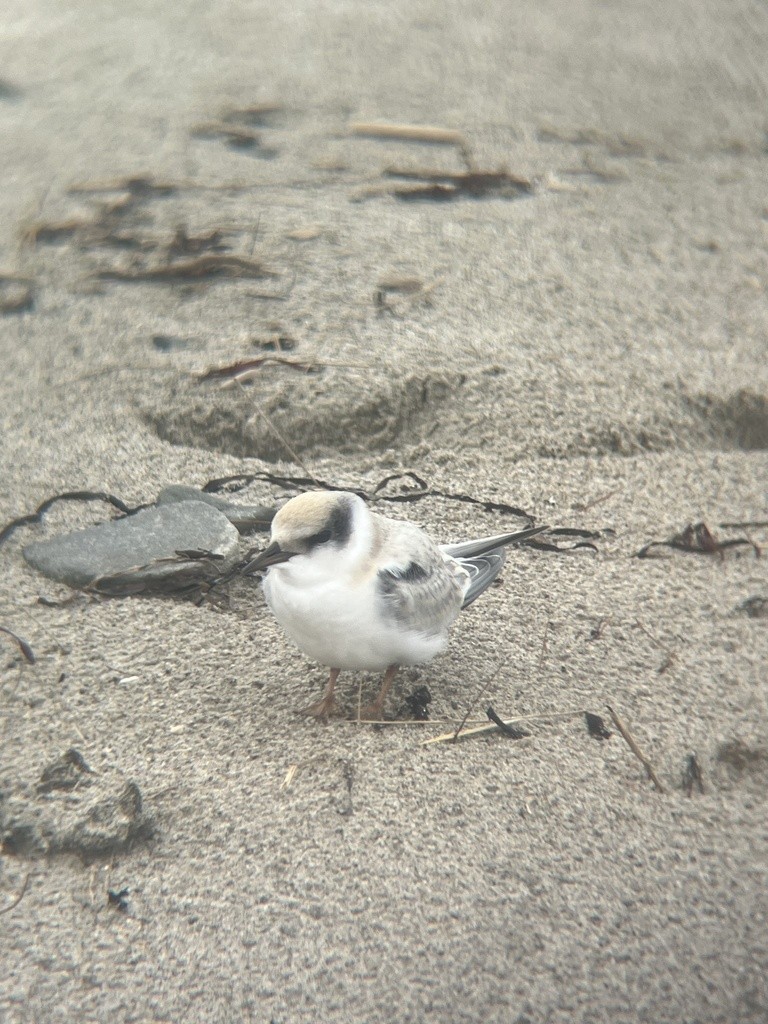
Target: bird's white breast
(337, 620)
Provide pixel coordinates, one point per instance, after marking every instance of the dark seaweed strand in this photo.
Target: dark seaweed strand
(37, 515)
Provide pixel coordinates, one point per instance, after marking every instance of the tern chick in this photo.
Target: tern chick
(355, 590)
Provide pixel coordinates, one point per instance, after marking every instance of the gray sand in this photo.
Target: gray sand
(594, 352)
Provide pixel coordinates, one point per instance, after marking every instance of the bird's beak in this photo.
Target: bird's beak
(272, 555)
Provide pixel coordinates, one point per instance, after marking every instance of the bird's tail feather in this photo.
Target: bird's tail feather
(484, 558)
(473, 548)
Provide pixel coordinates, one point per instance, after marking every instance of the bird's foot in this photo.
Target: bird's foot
(372, 712)
(324, 708)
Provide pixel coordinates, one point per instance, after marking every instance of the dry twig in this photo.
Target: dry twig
(635, 749)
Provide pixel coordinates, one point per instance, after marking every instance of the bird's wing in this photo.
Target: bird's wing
(482, 559)
(417, 586)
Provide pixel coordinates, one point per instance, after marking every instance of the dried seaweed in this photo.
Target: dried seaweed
(698, 539)
(692, 776)
(37, 515)
(543, 545)
(206, 267)
(446, 186)
(506, 729)
(596, 727)
(136, 185)
(24, 647)
(236, 137)
(118, 899)
(238, 370)
(15, 902)
(416, 490)
(420, 490)
(183, 244)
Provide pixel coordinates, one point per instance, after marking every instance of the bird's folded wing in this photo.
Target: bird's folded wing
(416, 587)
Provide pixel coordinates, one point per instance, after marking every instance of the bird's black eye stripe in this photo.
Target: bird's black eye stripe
(319, 538)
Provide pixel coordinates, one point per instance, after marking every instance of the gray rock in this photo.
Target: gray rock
(163, 548)
(244, 517)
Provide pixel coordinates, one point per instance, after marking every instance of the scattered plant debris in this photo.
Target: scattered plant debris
(168, 343)
(508, 730)
(235, 136)
(136, 185)
(244, 369)
(479, 730)
(119, 899)
(596, 727)
(445, 186)
(597, 632)
(631, 742)
(414, 488)
(17, 900)
(37, 515)
(670, 656)
(416, 705)
(543, 545)
(208, 266)
(184, 244)
(393, 293)
(24, 647)
(278, 340)
(307, 234)
(403, 285)
(65, 773)
(755, 607)
(698, 539)
(409, 133)
(692, 776)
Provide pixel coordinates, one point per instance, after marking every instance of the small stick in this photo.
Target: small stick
(544, 644)
(671, 656)
(635, 749)
(483, 688)
(19, 898)
(409, 133)
(293, 454)
(480, 729)
(585, 507)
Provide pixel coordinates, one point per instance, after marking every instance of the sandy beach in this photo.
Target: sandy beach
(549, 294)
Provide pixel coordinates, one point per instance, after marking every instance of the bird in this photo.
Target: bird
(355, 590)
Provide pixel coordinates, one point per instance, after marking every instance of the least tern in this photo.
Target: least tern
(355, 590)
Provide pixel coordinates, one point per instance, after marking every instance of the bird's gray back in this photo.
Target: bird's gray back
(417, 587)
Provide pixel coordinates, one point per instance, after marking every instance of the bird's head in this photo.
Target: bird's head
(312, 523)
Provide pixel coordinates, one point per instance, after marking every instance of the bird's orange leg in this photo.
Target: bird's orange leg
(325, 707)
(373, 712)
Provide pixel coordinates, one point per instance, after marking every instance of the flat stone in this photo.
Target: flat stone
(244, 517)
(162, 548)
